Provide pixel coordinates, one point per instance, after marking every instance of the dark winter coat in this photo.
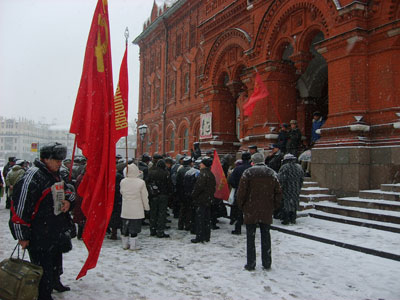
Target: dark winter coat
(78, 216)
(159, 177)
(115, 220)
(291, 178)
(46, 230)
(6, 169)
(294, 143)
(179, 181)
(204, 188)
(283, 137)
(274, 161)
(189, 181)
(145, 169)
(234, 178)
(64, 172)
(259, 194)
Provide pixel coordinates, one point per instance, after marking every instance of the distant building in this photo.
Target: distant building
(18, 135)
(198, 61)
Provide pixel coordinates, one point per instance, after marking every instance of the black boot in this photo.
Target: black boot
(59, 287)
(162, 235)
(80, 231)
(196, 240)
(250, 267)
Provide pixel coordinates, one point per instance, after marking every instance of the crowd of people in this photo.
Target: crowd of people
(151, 191)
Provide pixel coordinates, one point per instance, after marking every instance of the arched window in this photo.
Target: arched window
(155, 141)
(186, 139)
(172, 88)
(172, 141)
(157, 97)
(187, 83)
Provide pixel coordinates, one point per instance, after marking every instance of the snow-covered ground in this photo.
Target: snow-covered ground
(176, 269)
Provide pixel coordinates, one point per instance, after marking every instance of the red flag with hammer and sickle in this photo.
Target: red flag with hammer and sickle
(221, 188)
(94, 128)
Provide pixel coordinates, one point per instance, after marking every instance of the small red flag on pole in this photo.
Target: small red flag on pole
(221, 189)
(260, 92)
(120, 112)
(94, 130)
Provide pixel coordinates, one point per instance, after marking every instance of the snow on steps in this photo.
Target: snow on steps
(351, 220)
(370, 203)
(388, 216)
(380, 194)
(311, 192)
(382, 206)
(391, 187)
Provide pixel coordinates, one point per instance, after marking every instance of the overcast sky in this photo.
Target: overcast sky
(42, 46)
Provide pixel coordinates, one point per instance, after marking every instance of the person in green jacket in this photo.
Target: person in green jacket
(16, 173)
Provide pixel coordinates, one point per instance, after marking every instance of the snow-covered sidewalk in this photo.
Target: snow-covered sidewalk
(176, 269)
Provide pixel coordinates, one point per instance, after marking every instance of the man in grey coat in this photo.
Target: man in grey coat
(291, 178)
(258, 196)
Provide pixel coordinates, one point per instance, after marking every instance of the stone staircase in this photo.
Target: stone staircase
(379, 209)
(312, 193)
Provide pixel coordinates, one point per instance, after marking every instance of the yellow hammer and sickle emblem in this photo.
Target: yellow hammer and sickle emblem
(221, 184)
(101, 47)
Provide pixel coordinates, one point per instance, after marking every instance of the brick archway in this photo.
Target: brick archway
(230, 38)
(292, 28)
(287, 19)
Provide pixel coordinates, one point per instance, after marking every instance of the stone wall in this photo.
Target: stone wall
(346, 171)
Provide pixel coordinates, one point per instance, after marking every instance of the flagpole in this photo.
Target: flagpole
(72, 161)
(126, 33)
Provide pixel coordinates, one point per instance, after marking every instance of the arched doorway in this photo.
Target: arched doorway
(312, 85)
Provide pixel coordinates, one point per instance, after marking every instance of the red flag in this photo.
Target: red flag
(93, 127)
(120, 112)
(222, 189)
(260, 92)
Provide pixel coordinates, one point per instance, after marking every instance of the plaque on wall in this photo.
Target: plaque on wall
(206, 125)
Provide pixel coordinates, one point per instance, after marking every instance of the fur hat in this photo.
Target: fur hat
(246, 156)
(55, 151)
(289, 157)
(258, 158)
(207, 161)
(187, 160)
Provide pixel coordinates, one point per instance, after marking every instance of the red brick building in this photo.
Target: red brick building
(340, 57)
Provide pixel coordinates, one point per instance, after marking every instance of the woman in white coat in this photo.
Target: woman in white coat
(134, 202)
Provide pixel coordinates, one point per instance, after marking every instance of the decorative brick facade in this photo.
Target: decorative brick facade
(340, 57)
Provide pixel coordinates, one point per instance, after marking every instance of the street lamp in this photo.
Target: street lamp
(142, 133)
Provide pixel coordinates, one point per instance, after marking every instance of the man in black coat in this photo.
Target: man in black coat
(274, 159)
(184, 213)
(143, 165)
(189, 182)
(283, 137)
(203, 195)
(39, 218)
(6, 169)
(159, 185)
(234, 180)
(294, 142)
